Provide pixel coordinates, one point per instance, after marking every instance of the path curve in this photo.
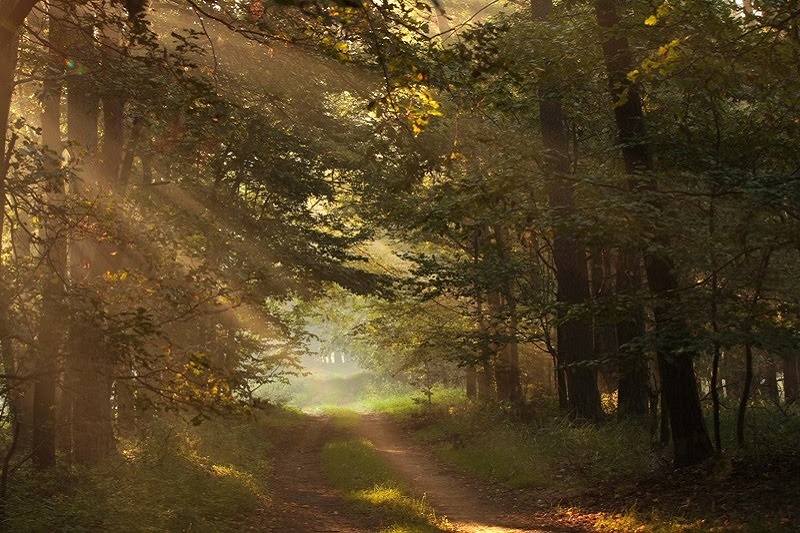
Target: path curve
(451, 495)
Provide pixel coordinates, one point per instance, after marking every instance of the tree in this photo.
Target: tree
(575, 349)
(689, 435)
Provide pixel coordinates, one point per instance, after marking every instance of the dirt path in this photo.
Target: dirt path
(302, 501)
(469, 507)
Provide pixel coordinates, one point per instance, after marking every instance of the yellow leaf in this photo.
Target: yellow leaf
(652, 20)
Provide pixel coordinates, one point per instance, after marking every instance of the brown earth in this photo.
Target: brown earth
(304, 503)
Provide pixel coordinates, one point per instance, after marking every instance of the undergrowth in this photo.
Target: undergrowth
(176, 477)
(553, 455)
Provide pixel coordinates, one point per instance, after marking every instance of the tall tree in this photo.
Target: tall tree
(575, 343)
(54, 312)
(689, 435)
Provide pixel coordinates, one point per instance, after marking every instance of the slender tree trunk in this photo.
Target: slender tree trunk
(53, 308)
(113, 138)
(471, 382)
(8, 63)
(507, 373)
(131, 149)
(561, 385)
(715, 396)
(506, 356)
(689, 435)
(791, 376)
(485, 385)
(748, 382)
(575, 341)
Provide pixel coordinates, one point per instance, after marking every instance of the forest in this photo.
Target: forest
(400, 265)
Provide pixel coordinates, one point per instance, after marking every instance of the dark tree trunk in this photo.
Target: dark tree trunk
(471, 382)
(575, 341)
(689, 435)
(9, 44)
(132, 148)
(632, 364)
(88, 366)
(561, 385)
(745, 398)
(485, 386)
(604, 334)
(715, 396)
(502, 350)
(92, 428)
(113, 138)
(663, 419)
(791, 376)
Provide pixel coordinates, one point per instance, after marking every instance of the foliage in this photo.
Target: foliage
(157, 482)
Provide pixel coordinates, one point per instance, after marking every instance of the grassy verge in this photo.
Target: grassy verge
(354, 467)
(209, 478)
(609, 477)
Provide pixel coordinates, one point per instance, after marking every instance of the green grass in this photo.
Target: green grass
(355, 467)
(210, 478)
(558, 457)
(562, 455)
(411, 403)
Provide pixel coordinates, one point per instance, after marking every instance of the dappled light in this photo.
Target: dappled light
(403, 266)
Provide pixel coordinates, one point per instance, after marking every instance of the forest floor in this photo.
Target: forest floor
(303, 501)
(713, 498)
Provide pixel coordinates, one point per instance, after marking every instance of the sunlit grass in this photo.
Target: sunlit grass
(341, 417)
(355, 467)
(413, 402)
(211, 478)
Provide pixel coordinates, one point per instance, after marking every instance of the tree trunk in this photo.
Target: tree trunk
(770, 371)
(506, 357)
(576, 344)
(88, 367)
(93, 431)
(791, 376)
(113, 138)
(689, 435)
(745, 398)
(575, 341)
(485, 385)
(632, 363)
(53, 309)
(471, 382)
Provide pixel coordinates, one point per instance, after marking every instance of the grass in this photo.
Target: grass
(209, 478)
(616, 460)
(354, 467)
(488, 443)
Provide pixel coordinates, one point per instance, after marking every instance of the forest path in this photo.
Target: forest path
(303, 502)
(468, 506)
